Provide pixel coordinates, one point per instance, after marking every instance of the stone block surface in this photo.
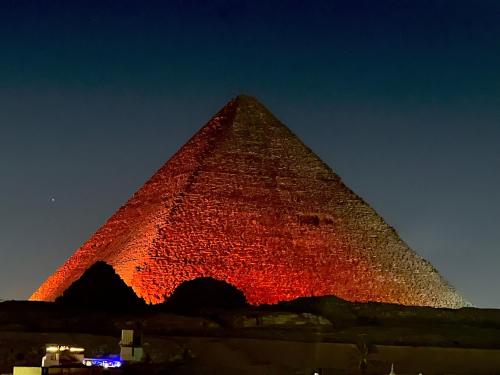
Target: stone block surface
(245, 201)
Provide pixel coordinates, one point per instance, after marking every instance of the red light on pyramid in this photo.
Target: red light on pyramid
(245, 201)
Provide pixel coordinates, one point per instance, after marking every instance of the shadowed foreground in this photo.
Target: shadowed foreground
(296, 337)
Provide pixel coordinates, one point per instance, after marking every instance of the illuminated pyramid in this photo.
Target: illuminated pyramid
(245, 201)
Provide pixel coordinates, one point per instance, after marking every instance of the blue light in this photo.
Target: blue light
(101, 362)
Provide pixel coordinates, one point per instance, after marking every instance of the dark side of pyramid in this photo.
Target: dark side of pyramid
(246, 202)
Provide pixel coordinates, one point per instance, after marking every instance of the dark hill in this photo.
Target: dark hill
(204, 293)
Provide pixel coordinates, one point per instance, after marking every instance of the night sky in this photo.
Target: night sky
(400, 98)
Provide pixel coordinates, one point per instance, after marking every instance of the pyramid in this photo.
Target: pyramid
(246, 202)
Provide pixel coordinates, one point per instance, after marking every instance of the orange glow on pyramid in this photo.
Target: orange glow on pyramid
(245, 201)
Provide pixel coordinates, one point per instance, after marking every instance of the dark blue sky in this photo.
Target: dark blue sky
(401, 98)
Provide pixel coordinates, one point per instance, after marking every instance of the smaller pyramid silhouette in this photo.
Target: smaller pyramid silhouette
(100, 287)
(246, 202)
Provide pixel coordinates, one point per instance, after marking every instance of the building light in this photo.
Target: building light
(101, 362)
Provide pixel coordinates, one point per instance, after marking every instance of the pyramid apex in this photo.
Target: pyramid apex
(246, 97)
(250, 104)
(244, 100)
